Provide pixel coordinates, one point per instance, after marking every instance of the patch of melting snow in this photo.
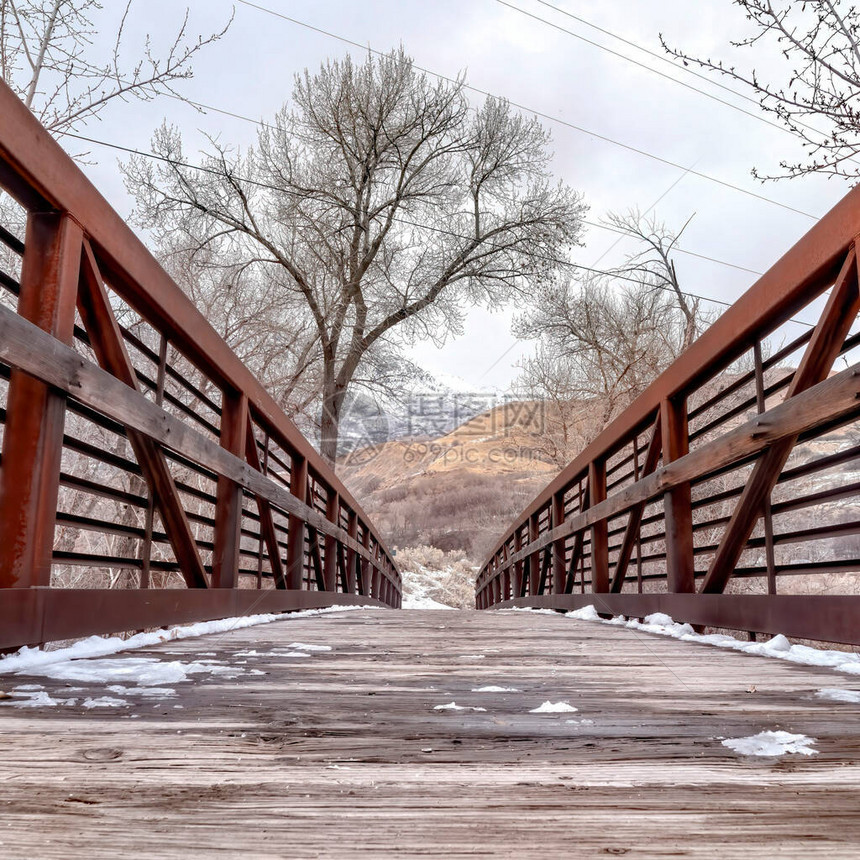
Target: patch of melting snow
(586, 613)
(554, 708)
(274, 653)
(529, 609)
(137, 672)
(835, 694)
(579, 722)
(301, 646)
(492, 689)
(144, 692)
(104, 702)
(771, 744)
(473, 656)
(212, 667)
(140, 671)
(453, 706)
(38, 699)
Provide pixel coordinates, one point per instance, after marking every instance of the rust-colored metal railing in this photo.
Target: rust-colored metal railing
(147, 478)
(728, 493)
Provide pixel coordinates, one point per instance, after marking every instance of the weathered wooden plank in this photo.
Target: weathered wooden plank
(342, 754)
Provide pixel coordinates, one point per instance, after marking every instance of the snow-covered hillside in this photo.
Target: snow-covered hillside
(433, 579)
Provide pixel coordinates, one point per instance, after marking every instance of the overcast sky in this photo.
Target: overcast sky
(250, 72)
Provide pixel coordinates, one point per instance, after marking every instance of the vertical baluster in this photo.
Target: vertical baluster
(768, 516)
(600, 529)
(677, 502)
(296, 536)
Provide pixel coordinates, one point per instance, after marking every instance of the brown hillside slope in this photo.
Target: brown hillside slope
(458, 491)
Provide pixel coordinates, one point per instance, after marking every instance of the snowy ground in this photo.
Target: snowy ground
(778, 646)
(418, 586)
(29, 659)
(433, 579)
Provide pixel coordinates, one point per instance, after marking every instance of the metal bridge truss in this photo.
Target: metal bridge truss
(136, 446)
(728, 493)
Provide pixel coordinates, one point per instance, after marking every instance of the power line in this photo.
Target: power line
(756, 116)
(685, 68)
(259, 122)
(541, 114)
(207, 107)
(554, 260)
(709, 80)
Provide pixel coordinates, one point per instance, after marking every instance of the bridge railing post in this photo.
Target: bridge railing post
(352, 531)
(680, 574)
(376, 574)
(558, 553)
(770, 559)
(600, 529)
(364, 585)
(33, 435)
(517, 585)
(296, 533)
(332, 513)
(533, 560)
(228, 503)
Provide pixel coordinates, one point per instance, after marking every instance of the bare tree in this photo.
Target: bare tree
(817, 97)
(271, 336)
(46, 56)
(381, 201)
(599, 347)
(548, 376)
(653, 266)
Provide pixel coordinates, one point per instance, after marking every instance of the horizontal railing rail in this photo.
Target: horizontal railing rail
(147, 477)
(734, 471)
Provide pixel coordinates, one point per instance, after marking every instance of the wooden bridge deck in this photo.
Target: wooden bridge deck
(341, 754)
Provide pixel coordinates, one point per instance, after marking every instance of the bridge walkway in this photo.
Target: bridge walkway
(343, 753)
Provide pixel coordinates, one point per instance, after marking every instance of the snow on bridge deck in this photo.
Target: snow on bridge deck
(343, 753)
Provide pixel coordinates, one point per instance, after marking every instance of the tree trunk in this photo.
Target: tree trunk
(330, 416)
